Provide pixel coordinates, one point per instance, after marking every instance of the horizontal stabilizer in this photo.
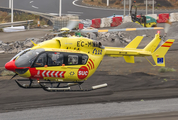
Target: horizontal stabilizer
(135, 42)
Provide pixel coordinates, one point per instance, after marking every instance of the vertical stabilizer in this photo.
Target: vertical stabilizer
(153, 44)
(159, 54)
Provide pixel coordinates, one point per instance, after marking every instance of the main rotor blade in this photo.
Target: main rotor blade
(115, 30)
(72, 24)
(58, 33)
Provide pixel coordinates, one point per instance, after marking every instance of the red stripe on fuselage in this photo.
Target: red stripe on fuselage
(92, 63)
(165, 46)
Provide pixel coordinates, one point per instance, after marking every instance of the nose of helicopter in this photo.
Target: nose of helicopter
(10, 65)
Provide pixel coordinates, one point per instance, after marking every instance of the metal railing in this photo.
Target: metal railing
(27, 22)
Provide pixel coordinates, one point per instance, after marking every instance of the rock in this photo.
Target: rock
(14, 51)
(28, 44)
(2, 52)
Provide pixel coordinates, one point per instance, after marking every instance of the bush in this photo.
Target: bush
(7, 73)
(163, 70)
(138, 61)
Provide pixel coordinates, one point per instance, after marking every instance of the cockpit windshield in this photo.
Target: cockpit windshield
(20, 53)
(27, 59)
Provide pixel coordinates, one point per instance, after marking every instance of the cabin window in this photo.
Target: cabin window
(72, 59)
(75, 59)
(55, 59)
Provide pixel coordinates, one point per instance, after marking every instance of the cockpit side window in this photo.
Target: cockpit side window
(41, 60)
(84, 59)
(55, 59)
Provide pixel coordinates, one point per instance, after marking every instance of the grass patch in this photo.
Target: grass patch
(7, 73)
(163, 70)
(6, 17)
(138, 61)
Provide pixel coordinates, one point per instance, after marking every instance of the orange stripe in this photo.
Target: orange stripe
(88, 66)
(92, 63)
(165, 46)
(102, 30)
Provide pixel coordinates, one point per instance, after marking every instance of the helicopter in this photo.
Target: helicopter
(66, 61)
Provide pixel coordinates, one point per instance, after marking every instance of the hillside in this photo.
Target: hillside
(159, 4)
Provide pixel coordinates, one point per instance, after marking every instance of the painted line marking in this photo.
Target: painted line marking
(91, 7)
(34, 7)
(31, 1)
(74, 12)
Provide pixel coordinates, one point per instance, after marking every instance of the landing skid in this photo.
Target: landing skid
(68, 89)
(55, 86)
(27, 86)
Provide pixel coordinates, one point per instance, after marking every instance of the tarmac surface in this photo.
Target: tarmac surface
(126, 82)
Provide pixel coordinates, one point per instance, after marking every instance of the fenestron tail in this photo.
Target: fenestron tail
(159, 54)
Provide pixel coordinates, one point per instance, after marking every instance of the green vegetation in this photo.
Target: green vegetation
(138, 61)
(6, 17)
(7, 73)
(163, 70)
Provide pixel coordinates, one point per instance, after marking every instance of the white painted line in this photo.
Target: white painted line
(31, 1)
(75, 12)
(91, 7)
(35, 7)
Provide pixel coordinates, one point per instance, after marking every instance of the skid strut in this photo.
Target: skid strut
(30, 85)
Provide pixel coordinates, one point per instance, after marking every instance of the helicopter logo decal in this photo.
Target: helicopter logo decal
(83, 72)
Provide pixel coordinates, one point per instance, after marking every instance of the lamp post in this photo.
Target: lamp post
(146, 7)
(12, 12)
(129, 6)
(153, 7)
(60, 8)
(107, 2)
(9, 3)
(124, 7)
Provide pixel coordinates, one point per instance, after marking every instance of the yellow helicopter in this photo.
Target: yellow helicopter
(72, 60)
